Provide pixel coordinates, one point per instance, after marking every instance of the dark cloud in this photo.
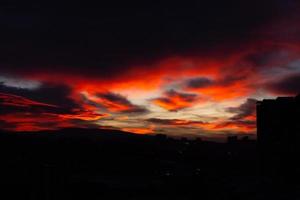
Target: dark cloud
(226, 80)
(289, 85)
(199, 82)
(48, 107)
(188, 97)
(100, 39)
(244, 110)
(47, 98)
(229, 79)
(273, 56)
(44, 108)
(12, 103)
(118, 103)
(116, 98)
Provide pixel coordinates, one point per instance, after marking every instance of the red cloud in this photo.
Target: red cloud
(47, 121)
(33, 122)
(22, 114)
(14, 100)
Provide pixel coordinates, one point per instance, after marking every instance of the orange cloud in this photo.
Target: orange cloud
(174, 101)
(138, 130)
(239, 126)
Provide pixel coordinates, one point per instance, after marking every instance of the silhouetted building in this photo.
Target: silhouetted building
(232, 139)
(278, 135)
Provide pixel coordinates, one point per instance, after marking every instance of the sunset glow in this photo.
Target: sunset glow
(196, 80)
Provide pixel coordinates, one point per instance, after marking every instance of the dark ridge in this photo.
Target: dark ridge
(109, 164)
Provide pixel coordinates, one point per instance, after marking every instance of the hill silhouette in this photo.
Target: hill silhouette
(110, 164)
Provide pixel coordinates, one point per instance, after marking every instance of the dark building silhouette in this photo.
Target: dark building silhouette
(278, 135)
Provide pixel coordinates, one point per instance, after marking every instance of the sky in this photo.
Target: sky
(181, 68)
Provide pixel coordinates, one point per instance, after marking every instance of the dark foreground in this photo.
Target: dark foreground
(90, 164)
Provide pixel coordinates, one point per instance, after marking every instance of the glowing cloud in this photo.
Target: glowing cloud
(174, 101)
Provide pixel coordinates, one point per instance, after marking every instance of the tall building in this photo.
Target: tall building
(278, 135)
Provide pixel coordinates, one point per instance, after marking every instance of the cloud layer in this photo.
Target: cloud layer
(186, 68)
